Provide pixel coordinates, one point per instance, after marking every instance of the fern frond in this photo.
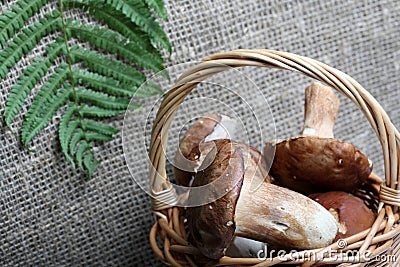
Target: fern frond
(115, 20)
(26, 40)
(139, 14)
(49, 110)
(13, 20)
(93, 111)
(115, 43)
(66, 128)
(27, 81)
(95, 126)
(101, 100)
(158, 7)
(90, 163)
(83, 146)
(77, 136)
(102, 83)
(103, 65)
(42, 103)
(95, 136)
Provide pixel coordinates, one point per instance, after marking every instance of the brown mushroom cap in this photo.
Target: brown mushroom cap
(212, 225)
(350, 211)
(196, 133)
(206, 128)
(310, 164)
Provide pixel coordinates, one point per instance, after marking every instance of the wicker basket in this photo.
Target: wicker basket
(168, 236)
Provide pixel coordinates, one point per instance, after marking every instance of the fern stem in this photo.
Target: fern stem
(64, 29)
(69, 61)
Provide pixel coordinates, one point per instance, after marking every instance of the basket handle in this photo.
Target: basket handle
(162, 191)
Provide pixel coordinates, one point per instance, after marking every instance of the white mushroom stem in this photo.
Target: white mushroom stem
(321, 108)
(283, 218)
(275, 214)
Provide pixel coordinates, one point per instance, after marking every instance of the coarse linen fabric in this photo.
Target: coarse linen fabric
(52, 215)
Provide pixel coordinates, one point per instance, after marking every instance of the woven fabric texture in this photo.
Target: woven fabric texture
(51, 215)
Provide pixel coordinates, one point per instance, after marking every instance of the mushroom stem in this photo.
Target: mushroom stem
(275, 215)
(321, 108)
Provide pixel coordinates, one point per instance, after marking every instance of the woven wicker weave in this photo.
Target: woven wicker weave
(168, 236)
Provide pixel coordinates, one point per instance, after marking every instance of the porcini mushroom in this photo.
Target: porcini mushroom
(269, 213)
(316, 160)
(190, 155)
(350, 211)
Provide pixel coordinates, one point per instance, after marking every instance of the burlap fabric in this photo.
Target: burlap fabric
(51, 215)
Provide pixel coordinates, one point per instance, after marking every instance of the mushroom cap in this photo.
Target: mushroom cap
(310, 164)
(212, 225)
(207, 128)
(350, 211)
(197, 132)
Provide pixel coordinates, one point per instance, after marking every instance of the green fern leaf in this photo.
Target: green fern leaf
(27, 81)
(66, 128)
(90, 163)
(137, 11)
(40, 103)
(158, 7)
(103, 65)
(95, 126)
(101, 100)
(93, 111)
(102, 83)
(95, 136)
(77, 136)
(49, 110)
(82, 148)
(115, 43)
(13, 20)
(25, 41)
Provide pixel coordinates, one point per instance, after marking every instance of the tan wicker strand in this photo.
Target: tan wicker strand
(391, 219)
(396, 246)
(389, 194)
(385, 197)
(164, 225)
(185, 249)
(168, 254)
(357, 244)
(153, 242)
(373, 231)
